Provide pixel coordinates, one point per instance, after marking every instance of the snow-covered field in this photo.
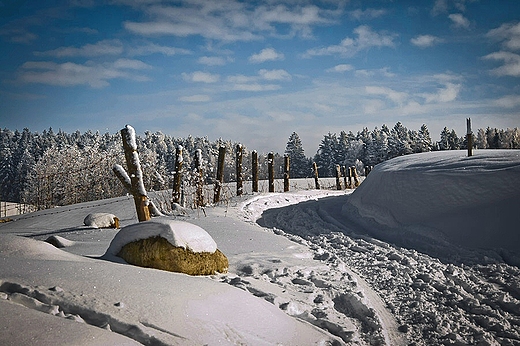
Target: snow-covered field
(423, 252)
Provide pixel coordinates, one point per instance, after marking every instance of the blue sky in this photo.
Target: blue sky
(255, 71)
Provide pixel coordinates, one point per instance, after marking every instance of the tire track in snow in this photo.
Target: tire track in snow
(312, 218)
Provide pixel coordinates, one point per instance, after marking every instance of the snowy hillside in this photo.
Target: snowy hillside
(310, 267)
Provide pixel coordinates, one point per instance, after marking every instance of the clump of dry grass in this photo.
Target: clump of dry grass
(158, 253)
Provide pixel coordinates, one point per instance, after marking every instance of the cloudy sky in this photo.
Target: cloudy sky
(255, 71)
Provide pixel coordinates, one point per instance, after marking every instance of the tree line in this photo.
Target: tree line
(57, 168)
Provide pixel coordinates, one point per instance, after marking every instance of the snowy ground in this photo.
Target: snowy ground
(375, 267)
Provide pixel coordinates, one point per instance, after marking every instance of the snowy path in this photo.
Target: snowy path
(433, 302)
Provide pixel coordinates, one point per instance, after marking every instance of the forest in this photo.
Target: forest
(56, 168)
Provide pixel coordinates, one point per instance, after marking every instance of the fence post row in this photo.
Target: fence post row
(220, 174)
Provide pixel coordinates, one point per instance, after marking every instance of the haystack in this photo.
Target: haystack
(171, 245)
(157, 252)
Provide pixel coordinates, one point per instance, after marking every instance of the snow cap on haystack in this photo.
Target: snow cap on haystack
(178, 233)
(101, 220)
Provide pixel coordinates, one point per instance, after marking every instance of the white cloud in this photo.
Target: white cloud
(266, 54)
(212, 61)
(365, 38)
(256, 87)
(153, 48)
(508, 101)
(279, 116)
(424, 41)
(104, 47)
(341, 68)
(369, 13)
(274, 74)
(130, 64)
(443, 6)
(448, 93)
(228, 20)
(459, 21)
(201, 77)
(375, 72)
(508, 34)
(195, 98)
(70, 74)
(511, 66)
(395, 96)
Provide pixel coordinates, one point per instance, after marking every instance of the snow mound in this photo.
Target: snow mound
(16, 246)
(178, 233)
(101, 220)
(443, 198)
(59, 242)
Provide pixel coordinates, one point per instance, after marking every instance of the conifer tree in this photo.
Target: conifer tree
(299, 164)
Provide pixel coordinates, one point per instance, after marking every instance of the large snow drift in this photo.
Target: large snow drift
(443, 199)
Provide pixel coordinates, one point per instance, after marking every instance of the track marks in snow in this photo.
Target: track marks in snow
(55, 301)
(432, 302)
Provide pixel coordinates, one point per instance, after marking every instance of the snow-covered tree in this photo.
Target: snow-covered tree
(326, 156)
(299, 164)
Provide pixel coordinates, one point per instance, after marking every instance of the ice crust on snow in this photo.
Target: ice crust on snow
(178, 233)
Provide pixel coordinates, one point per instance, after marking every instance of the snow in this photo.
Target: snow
(100, 220)
(178, 233)
(387, 264)
(444, 200)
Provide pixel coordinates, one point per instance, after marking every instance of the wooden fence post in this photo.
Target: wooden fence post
(133, 180)
(199, 199)
(238, 162)
(270, 167)
(338, 177)
(355, 176)
(316, 178)
(220, 174)
(254, 162)
(469, 137)
(286, 173)
(344, 173)
(176, 190)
